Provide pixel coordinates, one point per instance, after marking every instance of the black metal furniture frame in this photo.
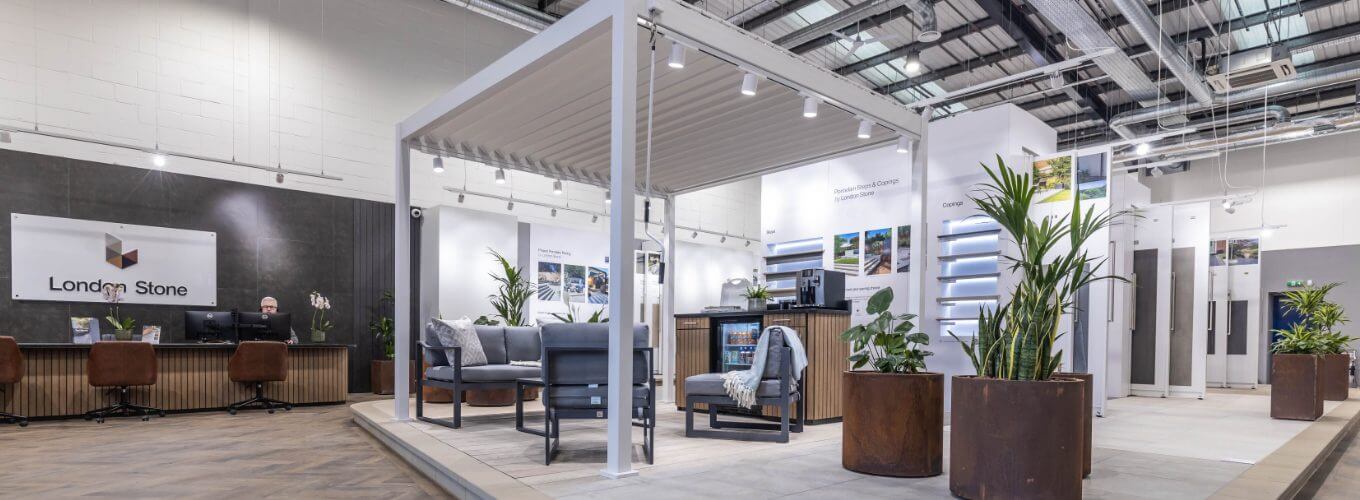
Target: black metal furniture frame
(123, 408)
(259, 399)
(644, 417)
(783, 401)
(10, 418)
(457, 386)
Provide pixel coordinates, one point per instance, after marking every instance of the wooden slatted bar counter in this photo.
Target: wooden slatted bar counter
(819, 329)
(190, 377)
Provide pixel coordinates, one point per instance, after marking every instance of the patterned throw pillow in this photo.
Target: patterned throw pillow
(460, 333)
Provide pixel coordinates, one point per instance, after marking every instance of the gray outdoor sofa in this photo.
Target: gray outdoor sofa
(501, 344)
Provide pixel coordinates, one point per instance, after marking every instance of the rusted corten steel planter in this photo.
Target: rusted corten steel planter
(1336, 377)
(1296, 387)
(893, 423)
(1087, 405)
(1015, 439)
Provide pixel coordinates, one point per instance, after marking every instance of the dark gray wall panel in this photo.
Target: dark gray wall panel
(1237, 337)
(1183, 316)
(270, 241)
(1144, 350)
(1320, 264)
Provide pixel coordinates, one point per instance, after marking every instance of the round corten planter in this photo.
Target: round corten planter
(1296, 386)
(893, 423)
(1015, 439)
(1086, 415)
(1336, 377)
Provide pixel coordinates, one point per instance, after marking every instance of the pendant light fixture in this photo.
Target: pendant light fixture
(557, 187)
(158, 159)
(677, 59)
(500, 176)
(1142, 148)
(866, 129)
(748, 84)
(810, 107)
(913, 62)
(438, 165)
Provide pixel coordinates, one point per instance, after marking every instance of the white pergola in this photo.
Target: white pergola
(563, 105)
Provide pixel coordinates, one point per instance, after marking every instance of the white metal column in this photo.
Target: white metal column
(622, 172)
(916, 289)
(667, 321)
(402, 293)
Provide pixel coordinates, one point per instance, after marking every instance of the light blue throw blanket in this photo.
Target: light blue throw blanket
(742, 385)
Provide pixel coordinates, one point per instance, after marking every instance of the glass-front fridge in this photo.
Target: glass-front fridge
(734, 342)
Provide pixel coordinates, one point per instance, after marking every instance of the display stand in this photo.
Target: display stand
(1171, 279)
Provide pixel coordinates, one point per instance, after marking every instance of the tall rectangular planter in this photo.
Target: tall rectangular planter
(1088, 405)
(1336, 377)
(1296, 387)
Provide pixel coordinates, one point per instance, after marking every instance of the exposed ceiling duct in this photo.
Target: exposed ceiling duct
(1140, 18)
(511, 13)
(1082, 30)
(1123, 124)
(859, 12)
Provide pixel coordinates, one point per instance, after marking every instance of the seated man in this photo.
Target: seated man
(270, 305)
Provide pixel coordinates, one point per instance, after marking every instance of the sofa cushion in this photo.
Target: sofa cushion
(460, 333)
(484, 373)
(579, 396)
(436, 357)
(523, 343)
(493, 343)
(711, 384)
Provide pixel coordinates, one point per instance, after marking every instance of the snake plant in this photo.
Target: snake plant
(1016, 340)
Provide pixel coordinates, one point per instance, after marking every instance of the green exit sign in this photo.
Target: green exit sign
(1297, 283)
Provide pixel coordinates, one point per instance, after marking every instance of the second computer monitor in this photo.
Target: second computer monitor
(261, 326)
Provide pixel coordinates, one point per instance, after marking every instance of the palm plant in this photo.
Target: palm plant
(1015, 341)
(512, 293)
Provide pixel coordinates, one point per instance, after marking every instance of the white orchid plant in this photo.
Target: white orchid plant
(113, 294)
(320, 304)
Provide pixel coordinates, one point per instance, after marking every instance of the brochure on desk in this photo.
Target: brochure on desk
(84, 330)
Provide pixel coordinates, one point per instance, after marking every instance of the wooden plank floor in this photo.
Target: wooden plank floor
(310, 452)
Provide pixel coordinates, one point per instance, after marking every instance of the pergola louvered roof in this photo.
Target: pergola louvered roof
(545, 107)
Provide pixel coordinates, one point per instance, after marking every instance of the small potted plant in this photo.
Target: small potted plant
(320, 325)
(757, 296)
(894, 411)
(1295, 373)
(382, 372)
(122, 325)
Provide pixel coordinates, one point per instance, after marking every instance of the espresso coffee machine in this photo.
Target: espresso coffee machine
(820, 288)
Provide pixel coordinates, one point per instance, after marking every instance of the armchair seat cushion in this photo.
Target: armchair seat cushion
(484, 373)
(711, 384)
(579, 396)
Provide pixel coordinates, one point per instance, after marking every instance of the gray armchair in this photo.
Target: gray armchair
(778, 387)
(502, 344)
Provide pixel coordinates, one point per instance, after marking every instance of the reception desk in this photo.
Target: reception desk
(190, 377)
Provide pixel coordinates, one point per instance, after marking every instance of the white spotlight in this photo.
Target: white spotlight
(1267, 232)
(438, 165)
(500, 176)
(460, 197)
(158, 160)
(748, 84)
(554, 212)
(810, 107)
(510, 205)
(1142, 148)
(677, 60)
(903, 144)
(866, 128)
(608, 197)
(557, 186)
(1156, 171)
(913, 63)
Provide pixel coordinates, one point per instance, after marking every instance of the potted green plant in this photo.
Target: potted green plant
(382, 372)
(122, 325)
(512, 292)
(1012, 425)
(757, 296)
(1316, 334)
(893, 422)
(320, 325)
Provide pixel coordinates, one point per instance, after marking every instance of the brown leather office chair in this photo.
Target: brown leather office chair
(256, 363)
(122, 365)
(11, 372)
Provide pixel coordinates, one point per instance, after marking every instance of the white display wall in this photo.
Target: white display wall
(859, 206)
(1166, 229)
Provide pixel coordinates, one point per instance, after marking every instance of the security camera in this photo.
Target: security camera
(416, 212)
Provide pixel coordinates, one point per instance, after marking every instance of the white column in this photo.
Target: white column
(402, 284)
(622, 165)
(667, 322)
(916, 289)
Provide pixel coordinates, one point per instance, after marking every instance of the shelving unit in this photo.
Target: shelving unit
(970, 274)
(783, 261)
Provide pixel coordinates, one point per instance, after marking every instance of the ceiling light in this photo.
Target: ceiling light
(460, 197)
(554, 212)
(866, 128)
(693, 235)
(557, 186)
(500, 176)
(279, 178)
(723, 240)
(510, 205)
(1142, 148)
(810, 107)
(438, 165)
(608, 198)
(158, 159)
(594, 219)
(677, 60)
(1267, 232)
(928, 36)
(913, 62)
(903, 144)
(748, 84)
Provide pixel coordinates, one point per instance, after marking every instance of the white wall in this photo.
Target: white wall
(1311, 187)
(701, 269)
(455, 265)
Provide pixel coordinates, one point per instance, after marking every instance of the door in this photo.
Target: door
(1143, 355)
(1281, 318)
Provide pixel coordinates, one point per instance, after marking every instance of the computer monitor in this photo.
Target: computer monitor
(209, 326)
(261, 326)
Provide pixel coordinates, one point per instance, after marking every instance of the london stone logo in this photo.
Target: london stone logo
(114, 254)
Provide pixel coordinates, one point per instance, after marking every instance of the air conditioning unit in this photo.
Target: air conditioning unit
(1251, 68)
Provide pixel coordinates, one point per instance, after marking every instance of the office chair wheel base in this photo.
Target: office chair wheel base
(161, 414)
(146, 418)
(99, 420)
(271, 411)
(231, 411)
(89, 418)
(287, 407)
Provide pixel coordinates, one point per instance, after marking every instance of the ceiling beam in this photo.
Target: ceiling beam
(874, 21)
(905, 50)
(775, 14)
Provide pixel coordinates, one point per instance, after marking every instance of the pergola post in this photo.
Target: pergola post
(402, 282)
(667, 321)
(916, 303)
(622, 164)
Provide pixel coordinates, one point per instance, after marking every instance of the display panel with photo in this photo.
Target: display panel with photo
(877, 252)
(1218, 253)
(903, 249)
(575, 283)
(845, 253)
(151, 334)
(1053, 178)
(1091, 177)
(597, 285)
(550, 281)
(1244, 252)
